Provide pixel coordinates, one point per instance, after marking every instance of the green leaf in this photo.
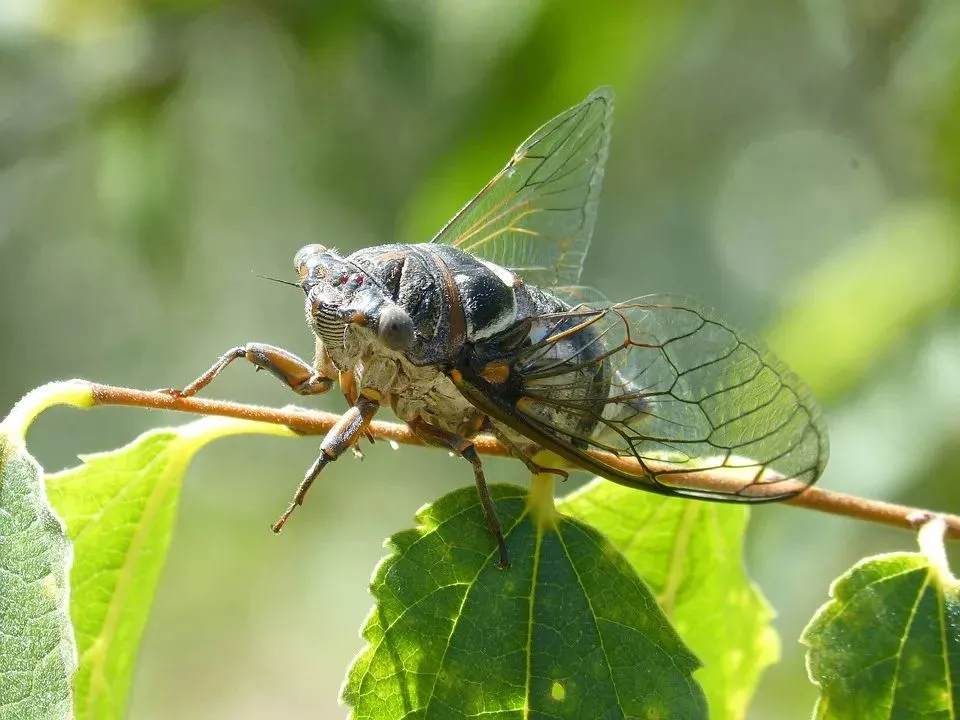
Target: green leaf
(888, 642)
(569, 631)
(119, 508)
(37, 649)
(691, 555)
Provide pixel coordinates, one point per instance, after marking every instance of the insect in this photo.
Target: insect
(486, 329)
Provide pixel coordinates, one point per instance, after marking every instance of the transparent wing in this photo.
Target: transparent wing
(579, 295)
(537, 215)
(671, 398)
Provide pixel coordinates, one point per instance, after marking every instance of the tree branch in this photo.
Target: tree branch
(310, 422)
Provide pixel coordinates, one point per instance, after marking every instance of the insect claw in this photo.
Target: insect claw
(537, 469)
(278, 525)
(504, 562)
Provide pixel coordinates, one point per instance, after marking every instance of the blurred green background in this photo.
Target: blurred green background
(796, 164)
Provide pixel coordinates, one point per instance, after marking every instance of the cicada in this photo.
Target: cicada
(486, 329)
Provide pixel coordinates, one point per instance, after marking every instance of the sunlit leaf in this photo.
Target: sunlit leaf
(887, 644)
(37, 648)
(569, 631)
(691, 555)
(119, 508)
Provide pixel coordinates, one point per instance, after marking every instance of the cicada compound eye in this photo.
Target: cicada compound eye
(301, 261)
(396, 328)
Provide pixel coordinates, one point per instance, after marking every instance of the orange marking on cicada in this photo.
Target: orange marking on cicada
(495, 372)
(526, 404)
(348, 384)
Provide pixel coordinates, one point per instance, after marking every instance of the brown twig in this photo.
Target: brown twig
(311, 422)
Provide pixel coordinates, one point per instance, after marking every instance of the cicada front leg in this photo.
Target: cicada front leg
(349, 388)
(351, 425)
(297, 374)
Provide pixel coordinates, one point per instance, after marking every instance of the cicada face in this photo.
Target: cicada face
(340, 294)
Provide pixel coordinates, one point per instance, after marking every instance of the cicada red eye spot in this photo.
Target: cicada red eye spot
(358, 279)
(342, 279)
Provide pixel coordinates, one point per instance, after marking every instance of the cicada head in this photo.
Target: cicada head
(340, 293)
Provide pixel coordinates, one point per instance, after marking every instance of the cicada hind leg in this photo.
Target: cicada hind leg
(463, 447)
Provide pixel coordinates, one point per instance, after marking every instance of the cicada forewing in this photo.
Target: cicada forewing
(536, 216)
(657, 393)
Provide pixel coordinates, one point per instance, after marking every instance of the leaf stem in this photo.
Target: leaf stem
(311, 422)
(540, 500)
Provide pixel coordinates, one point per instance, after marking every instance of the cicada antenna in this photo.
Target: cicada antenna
(276, 280)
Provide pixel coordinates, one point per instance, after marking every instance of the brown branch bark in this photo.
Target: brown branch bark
(311, 422)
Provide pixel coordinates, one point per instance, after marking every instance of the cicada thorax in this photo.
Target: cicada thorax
(468, 314)
(442, 299)
(452, 298)
(475, 316)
